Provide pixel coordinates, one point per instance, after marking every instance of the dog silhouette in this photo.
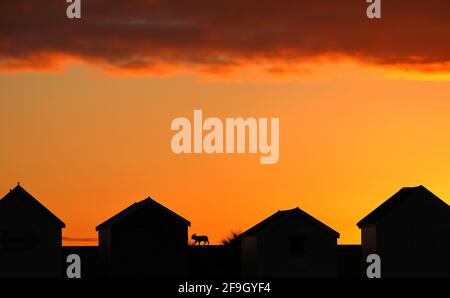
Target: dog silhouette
(200, 239)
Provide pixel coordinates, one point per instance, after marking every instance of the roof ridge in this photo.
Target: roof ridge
(19, 191)
(401, 195)
(137, 205)
(276, 215)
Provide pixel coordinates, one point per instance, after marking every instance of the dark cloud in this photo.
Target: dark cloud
(216, 34)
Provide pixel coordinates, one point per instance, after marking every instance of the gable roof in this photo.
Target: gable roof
(401, 196)
(284, 214)
(129, 211)
(19, 193)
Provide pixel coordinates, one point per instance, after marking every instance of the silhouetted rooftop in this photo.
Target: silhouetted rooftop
(286, 213)
(136, 207)
(19, 193)
(403, 194)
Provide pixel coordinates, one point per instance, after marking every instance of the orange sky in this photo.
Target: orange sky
(88, 144)
(86, 107)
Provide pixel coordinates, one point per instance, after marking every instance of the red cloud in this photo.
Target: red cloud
(222, 35)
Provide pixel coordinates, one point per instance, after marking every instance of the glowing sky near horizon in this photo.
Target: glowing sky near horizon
(88, 144)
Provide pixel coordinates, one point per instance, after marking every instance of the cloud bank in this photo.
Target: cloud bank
(215, 36)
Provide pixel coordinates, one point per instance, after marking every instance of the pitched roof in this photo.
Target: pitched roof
(136, 207)
(402, 195)
(19, 193)
(284, 214)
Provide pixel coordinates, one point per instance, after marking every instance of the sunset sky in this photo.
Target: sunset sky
(86, 107)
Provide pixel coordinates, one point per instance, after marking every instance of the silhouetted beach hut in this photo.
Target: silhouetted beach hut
(289, 243)
(145, 240)
(411, 234)
(30, 237)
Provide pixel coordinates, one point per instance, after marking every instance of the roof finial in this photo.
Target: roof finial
(18, 183)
